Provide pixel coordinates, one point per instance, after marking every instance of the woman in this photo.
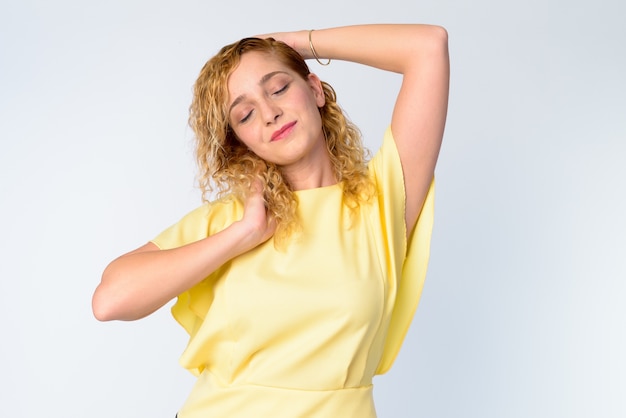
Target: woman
(298, 283)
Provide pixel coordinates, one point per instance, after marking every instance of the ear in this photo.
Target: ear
(318, 91)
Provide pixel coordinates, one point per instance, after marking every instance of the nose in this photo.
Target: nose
(270, 111)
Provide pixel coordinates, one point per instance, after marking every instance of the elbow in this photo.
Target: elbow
(431, 49)
(102, 307)
(106, 307)
(102, 301)
(437, 39)
(109, 309)
(426, 46)
(114, 302)
(441, 34)
(107, 302)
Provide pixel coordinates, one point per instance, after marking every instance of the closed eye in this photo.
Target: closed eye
(246, 117)
(282, 90)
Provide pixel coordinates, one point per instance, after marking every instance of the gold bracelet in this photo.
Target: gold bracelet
(315, 53)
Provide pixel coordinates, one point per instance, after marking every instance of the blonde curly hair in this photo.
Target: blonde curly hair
(228, 167)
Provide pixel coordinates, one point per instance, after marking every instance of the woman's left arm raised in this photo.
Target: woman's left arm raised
(420, 54)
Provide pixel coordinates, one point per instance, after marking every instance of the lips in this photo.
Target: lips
(283, 131)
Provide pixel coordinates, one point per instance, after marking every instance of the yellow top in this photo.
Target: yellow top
(301, 332)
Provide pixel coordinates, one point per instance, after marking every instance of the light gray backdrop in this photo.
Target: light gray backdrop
(523, 311)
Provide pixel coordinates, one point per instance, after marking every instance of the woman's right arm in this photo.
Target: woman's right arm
(141, 281)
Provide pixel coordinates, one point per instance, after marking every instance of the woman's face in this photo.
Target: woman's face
(275, 112)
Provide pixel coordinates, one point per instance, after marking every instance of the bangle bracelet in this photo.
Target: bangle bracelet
(315, 53)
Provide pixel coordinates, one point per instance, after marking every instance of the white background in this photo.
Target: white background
(523, 312)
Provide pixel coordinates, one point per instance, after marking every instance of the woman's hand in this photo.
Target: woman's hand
(259, 226)
(298, 40)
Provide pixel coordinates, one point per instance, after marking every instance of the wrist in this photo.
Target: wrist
(247, 235)
(314, 53)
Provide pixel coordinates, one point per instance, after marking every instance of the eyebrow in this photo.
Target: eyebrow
(263, 80)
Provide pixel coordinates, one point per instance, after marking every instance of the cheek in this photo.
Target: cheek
(315, 105)
(249, 137)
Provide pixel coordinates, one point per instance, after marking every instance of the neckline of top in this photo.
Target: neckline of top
(318, 189)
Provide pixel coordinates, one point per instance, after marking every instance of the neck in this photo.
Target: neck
(311, 174)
